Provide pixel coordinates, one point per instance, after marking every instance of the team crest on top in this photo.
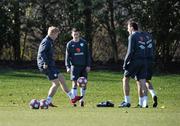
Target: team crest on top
(81, 44)
(55, 75)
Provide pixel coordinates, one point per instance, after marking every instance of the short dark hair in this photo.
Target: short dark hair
(133, 24)
(75, 30)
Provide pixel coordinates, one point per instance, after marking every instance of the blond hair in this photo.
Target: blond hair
(53, 30)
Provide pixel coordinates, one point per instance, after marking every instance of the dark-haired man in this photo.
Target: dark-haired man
(77, 61)
(134, 63)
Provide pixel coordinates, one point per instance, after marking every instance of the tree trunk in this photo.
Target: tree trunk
(24, 44)
(88, 24)
(112, 31)
(44, 16)
(16, 28)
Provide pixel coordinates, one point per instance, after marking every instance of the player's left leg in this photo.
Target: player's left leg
(142, 83)
(152, 92)
(83, 73)
(150, 88)
(149, 84)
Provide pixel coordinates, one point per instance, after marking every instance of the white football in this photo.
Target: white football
(34, 104)
(43, 104)
(82, 82)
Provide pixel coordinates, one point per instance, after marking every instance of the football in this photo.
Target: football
(82, 82)
(43, 104)
(34, 104)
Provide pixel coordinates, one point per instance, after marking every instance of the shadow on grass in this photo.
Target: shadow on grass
(21, 73)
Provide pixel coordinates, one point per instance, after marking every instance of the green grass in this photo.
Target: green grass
(18, 87)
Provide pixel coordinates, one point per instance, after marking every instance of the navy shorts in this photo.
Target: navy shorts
(51, 72)
(78, 71)
(136, 69)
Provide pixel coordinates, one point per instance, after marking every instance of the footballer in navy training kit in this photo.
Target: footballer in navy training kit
(46, 65)
(134, 64)
(77, 61)
(150, 58)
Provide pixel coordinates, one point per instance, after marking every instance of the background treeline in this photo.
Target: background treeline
(23, 23)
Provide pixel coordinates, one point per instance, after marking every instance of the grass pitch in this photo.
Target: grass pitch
(18, 87)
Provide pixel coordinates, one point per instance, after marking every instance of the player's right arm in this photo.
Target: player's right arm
(67, 58)
(129, 53)
(42, 54)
